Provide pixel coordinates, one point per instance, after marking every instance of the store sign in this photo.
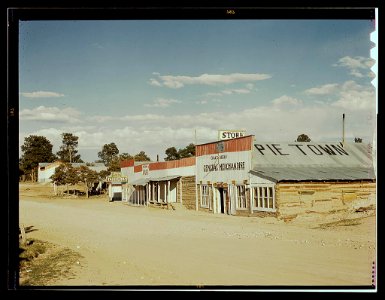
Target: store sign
(231, 166)
(145, 170)
(303, 148)
(116, 177)
(230, 134)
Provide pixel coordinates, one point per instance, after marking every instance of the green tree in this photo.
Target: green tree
(189, 151)
(303, 138)
(141, 156)
(88, 177)
(68, 152)
(125, 156)
(36, 149)
(65, 174)
(108, 154)
(172, 154)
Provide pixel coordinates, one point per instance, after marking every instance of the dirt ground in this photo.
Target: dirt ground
(122, 245)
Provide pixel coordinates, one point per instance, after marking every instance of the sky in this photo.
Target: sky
(147, 85)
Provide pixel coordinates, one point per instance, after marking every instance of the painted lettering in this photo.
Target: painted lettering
(271, 149)
(233, 166)
(298, 147)
(339, 149)
(278, 149)
(260, 148)
(223, 156)
(313, 147)
(327, 149)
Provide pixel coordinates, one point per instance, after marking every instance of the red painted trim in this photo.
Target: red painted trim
(234, 145)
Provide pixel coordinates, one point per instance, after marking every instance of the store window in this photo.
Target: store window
(264, 198)
(241, 197)
(205, 195)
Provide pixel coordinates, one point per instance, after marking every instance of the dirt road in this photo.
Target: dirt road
(126, 245)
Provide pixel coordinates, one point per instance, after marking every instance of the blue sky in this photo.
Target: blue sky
(150, 84)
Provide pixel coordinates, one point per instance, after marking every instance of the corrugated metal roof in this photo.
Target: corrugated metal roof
(140, 181)
(313, 173)
(312, 161)
(165, 178)
(144, 181)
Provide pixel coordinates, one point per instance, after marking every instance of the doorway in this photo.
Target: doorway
(223, 200)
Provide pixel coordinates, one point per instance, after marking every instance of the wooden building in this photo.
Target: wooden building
(246, 178)
(160, 183)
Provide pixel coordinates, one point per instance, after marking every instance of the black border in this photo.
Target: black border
(119, 10)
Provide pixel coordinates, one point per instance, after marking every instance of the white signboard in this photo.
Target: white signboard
(230, 134)
(224, 167)
(145, 170)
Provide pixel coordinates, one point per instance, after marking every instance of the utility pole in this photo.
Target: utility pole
(343, 130)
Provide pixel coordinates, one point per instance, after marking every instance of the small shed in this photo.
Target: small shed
(115, 185)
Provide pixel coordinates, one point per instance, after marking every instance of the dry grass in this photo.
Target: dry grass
(345, 222)
(43, 263)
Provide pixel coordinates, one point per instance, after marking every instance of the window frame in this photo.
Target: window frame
(263, 196)
(205, 195)
(241, 199)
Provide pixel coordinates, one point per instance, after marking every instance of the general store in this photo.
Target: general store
(244, 177)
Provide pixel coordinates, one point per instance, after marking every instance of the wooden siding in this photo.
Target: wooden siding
(188, 191)
(127, 163)
(234, 145)
(299, 198)
(180, 163)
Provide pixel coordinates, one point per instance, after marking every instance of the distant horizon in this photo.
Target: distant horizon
(147, 85)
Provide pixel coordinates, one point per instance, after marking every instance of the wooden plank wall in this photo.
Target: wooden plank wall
(188, 192)
(323, 197)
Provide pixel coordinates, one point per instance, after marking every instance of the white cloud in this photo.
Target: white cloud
(323, 89)
(236, 91)
(286, 100)
(99, 119)
(143, 118)
(250, 86)
(204, 101)
(179, 81)
(358, 66)
(41, 94)
(350, 95)
(51, 114)
(162, 102)
(355, 97)
(154, 82)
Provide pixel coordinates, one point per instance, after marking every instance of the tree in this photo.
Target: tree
(172, 154)
(358, 140)
(36, 149)
(68, 152)
(303, 138)
(125, 156)
(189, 151)
(141, 156)
(66, 175)
(114, 165)
(109, 153)
(88, 177)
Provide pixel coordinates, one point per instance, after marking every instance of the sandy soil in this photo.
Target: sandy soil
(126, 245)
